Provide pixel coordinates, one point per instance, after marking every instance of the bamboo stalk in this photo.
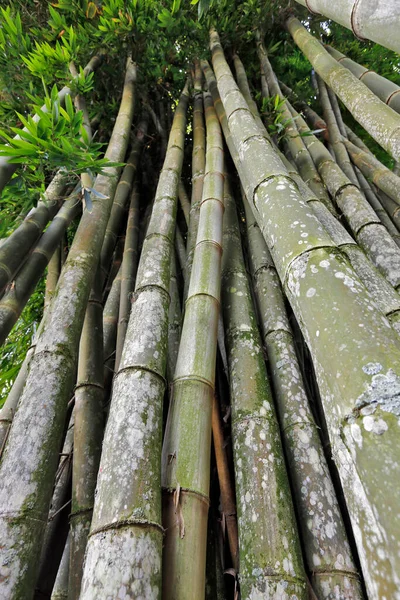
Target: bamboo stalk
(174, 322)
(381, 121)
(335, 136)
(294, 142)
(365, 224)
(270, 561)
(129, 267)
(53, 273)
(15, 248)
(126, 533)
(320, 522)
(184, 202)
(131, 251)
(226, 489)
(198, 166)
(375, 171)
(363, 184)
(330, 287)
(60, 589)
(362, 18)
(356, 140)
(110, 325)
(187, 442)
(385, 89)
(118, 209)
(38, 425)
(57, 525)
(15, 299)
(88, 432)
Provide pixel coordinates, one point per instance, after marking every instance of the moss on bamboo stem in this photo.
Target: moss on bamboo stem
(16, 247)
(365, 224)
(341, 326)
(269, 549)
(126, 535)
(187, 443)
(15, 299)
(320, 522)
(39, 423)
(198, 166)
(381, 121)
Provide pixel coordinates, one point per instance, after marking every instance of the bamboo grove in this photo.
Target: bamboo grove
(209, 406)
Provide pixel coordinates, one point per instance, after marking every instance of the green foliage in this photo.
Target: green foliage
(56, 139)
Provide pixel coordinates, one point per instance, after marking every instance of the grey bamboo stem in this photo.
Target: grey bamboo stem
(361, 17)
(126, 535)
(365, 224)
(270, 558)
(385, 89)
(187, 441)
(381, 121)
(324, 538)
(16, 297)
(38, 425)
(319, 283)
(88, 432)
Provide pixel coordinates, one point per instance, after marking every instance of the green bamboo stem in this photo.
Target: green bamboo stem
(365, 224)
(15, 248)
(184, 202)
(115, 264)
(16, 297)
(110, 326)
(88, 432)
(320, 283)
(60, 590)
(7, 169)
(39, 422)
(375, 171)
(198, 166)
(294, 142)
(392, 209)
(130, 257)
(181, 252)
(270, 561)
(53, 273)
(356, 140)
(320, 522)
(129, 267)
(335, 136)
(385, 297)
(362, 18)
(174, 322)
(363, 184)
(122, 195)
(381, 121)
(385, 89)
(187, 441)
(126, 534)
